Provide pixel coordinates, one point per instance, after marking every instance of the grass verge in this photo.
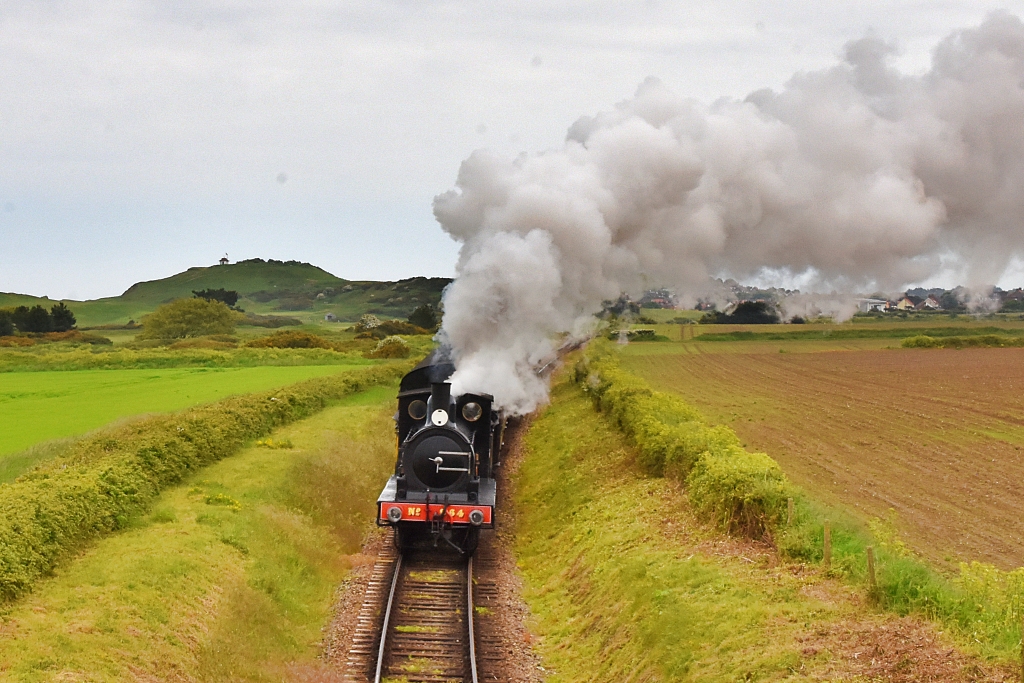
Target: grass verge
(625, 585)
(230, 576)
(98, 484)
(743, 493)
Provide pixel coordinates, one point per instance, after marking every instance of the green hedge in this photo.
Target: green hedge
(94, 488)
(739, 491)
(746, 493)
(923, 341)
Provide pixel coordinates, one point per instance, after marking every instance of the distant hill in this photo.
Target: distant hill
(291, 288)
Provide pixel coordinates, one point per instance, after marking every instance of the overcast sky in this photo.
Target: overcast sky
(138, 139)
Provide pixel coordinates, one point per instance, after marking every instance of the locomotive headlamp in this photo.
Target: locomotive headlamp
(417, 410)
(476, 518)
(472, 412)
(395, 514)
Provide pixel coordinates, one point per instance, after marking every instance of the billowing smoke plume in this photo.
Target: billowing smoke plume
(855, 178)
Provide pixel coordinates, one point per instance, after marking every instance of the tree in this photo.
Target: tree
(6, 323)
(424, 316)
(61, 318)
(34, 319)
(188, 318)
(227, 296)
(745, 313)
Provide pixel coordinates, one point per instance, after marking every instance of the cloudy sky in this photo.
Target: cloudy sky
(141, 138)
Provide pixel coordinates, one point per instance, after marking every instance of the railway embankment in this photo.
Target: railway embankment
(638, 522)
(98, 484)
(229, 574)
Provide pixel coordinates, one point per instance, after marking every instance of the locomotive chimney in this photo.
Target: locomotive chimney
(440, 396)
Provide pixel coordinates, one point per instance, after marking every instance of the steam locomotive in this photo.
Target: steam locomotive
(443, 490)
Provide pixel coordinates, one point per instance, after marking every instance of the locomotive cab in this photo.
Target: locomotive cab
(443, 486)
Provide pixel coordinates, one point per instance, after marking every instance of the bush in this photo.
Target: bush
(226, 296)
(745, 313)
(291, 339)
(6, 323)
(738, 491)
(390, 347)
(186, 318)
(100, 482)
(61, 318)
(35, 319)
(638, 335)
(425, 317)
(923, 341)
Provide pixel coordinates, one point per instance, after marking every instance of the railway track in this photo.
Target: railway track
(417, 621)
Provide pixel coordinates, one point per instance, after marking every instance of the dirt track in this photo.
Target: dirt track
(935, 434)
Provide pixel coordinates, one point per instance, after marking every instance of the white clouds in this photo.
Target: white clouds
(172, 116)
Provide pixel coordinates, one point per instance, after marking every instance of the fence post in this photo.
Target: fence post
(871, 570)
(827, 560)
(789, 509)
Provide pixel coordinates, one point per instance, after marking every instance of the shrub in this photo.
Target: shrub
(390, 347)
(16, 341)
(6, 323)
(738, 491)
(100, 482)
(61, 318)
(424, 316)
(923, 341)
(35, 319)
(291, 339)
(186, 318)
(638, 335)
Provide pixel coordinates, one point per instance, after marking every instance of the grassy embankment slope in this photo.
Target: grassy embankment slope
(39, 406)
(232, 574)
(270, 287)
(625, 584)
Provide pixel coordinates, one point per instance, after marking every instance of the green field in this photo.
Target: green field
(39, 406)
(232, 574)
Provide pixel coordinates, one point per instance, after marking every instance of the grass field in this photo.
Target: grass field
(624, 584)
(39, 406)
(934, 435)
(231, 576)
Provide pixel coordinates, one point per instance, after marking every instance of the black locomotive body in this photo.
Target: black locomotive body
(443, 488)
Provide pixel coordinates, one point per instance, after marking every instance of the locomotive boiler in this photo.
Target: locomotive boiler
(443, 490)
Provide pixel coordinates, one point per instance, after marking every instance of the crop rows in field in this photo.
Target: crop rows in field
(937, 435)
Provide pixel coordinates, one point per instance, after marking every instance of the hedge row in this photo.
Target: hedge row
(923, 341)
(96, 486)
(741, 492)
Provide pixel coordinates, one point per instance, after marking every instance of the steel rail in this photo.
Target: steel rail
(469, 611)
(387, 618)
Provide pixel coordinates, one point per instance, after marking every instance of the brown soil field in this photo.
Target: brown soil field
(934, 434)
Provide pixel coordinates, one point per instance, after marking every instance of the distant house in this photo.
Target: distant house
(929, 304)
(224, 260)
(331, 318)
(908, 303)
(870, 305)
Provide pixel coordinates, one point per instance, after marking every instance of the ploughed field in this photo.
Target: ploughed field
(935, 434)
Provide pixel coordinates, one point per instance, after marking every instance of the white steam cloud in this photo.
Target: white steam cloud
(854, 178)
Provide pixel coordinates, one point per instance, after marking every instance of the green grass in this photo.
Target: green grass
(236, 589)
(39, 406)
(619, 578)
